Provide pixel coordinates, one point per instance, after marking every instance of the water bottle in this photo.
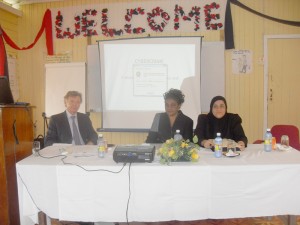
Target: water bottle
(268, 141)
(100, 146)
(218, 145)
(177, 136)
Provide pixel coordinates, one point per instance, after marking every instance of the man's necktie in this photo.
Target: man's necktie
(75, 132)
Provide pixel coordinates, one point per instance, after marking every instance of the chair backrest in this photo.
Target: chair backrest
(259, 141)
(290, 130)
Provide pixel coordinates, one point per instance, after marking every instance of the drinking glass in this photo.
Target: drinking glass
(284, 141)
(225, 144)
(231, 146)
(36, 147)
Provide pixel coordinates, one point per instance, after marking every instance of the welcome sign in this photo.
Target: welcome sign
(123, 18)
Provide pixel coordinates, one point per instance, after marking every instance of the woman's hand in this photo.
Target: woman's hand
(241, 145)
(89, 143)
(207, 143)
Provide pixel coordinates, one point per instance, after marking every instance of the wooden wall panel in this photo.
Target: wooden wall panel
(9, 23)
(284, 79)
(244, 93)
(249, 31)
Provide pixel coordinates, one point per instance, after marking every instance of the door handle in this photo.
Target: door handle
(15, 132)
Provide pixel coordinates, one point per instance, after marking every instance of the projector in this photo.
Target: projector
(134, 153)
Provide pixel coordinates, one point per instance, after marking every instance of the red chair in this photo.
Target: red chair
(289, 130)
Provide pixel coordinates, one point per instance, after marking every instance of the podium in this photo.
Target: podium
(16, 137)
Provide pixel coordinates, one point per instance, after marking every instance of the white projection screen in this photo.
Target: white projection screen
(135, 73)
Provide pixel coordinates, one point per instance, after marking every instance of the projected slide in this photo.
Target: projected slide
(136, 73)
(150, 79)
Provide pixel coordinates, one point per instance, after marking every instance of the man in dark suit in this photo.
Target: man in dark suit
(62, 128)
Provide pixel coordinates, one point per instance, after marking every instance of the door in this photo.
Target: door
(283, 82)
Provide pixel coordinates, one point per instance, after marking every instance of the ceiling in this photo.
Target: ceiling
(17, 3)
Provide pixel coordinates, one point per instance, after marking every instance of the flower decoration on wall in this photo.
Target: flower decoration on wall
(68, 34)
(86, 25)
(128, 17)
(195, 12)
(105, 30)
(209, 16)
(77, 25)
(182, 150)
(58, 27)
(82, 25)
(158, 26)
(58, 24)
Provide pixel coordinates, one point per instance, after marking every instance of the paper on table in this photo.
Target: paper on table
(283, 148)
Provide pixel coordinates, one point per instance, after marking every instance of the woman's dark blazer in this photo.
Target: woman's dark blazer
(161, 129)
(231, 128)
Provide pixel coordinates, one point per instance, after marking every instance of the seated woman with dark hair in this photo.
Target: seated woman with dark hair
(218, 120)
(165, 124)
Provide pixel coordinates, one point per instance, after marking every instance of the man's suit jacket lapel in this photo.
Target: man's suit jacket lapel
(65, 127)
(81, 126)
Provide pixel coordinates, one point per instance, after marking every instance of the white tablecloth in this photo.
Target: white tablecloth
(256, 183)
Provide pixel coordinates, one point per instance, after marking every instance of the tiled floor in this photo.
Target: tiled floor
(275, 220)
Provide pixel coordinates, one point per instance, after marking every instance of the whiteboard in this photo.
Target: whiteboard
(61, 78)
(212, 75)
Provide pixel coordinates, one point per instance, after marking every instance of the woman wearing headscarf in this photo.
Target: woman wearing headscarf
(165, 124)
(218, 120)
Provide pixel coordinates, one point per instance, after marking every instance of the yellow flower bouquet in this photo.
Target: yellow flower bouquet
(183, 150)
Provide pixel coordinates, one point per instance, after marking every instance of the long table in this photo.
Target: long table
(80, 186)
